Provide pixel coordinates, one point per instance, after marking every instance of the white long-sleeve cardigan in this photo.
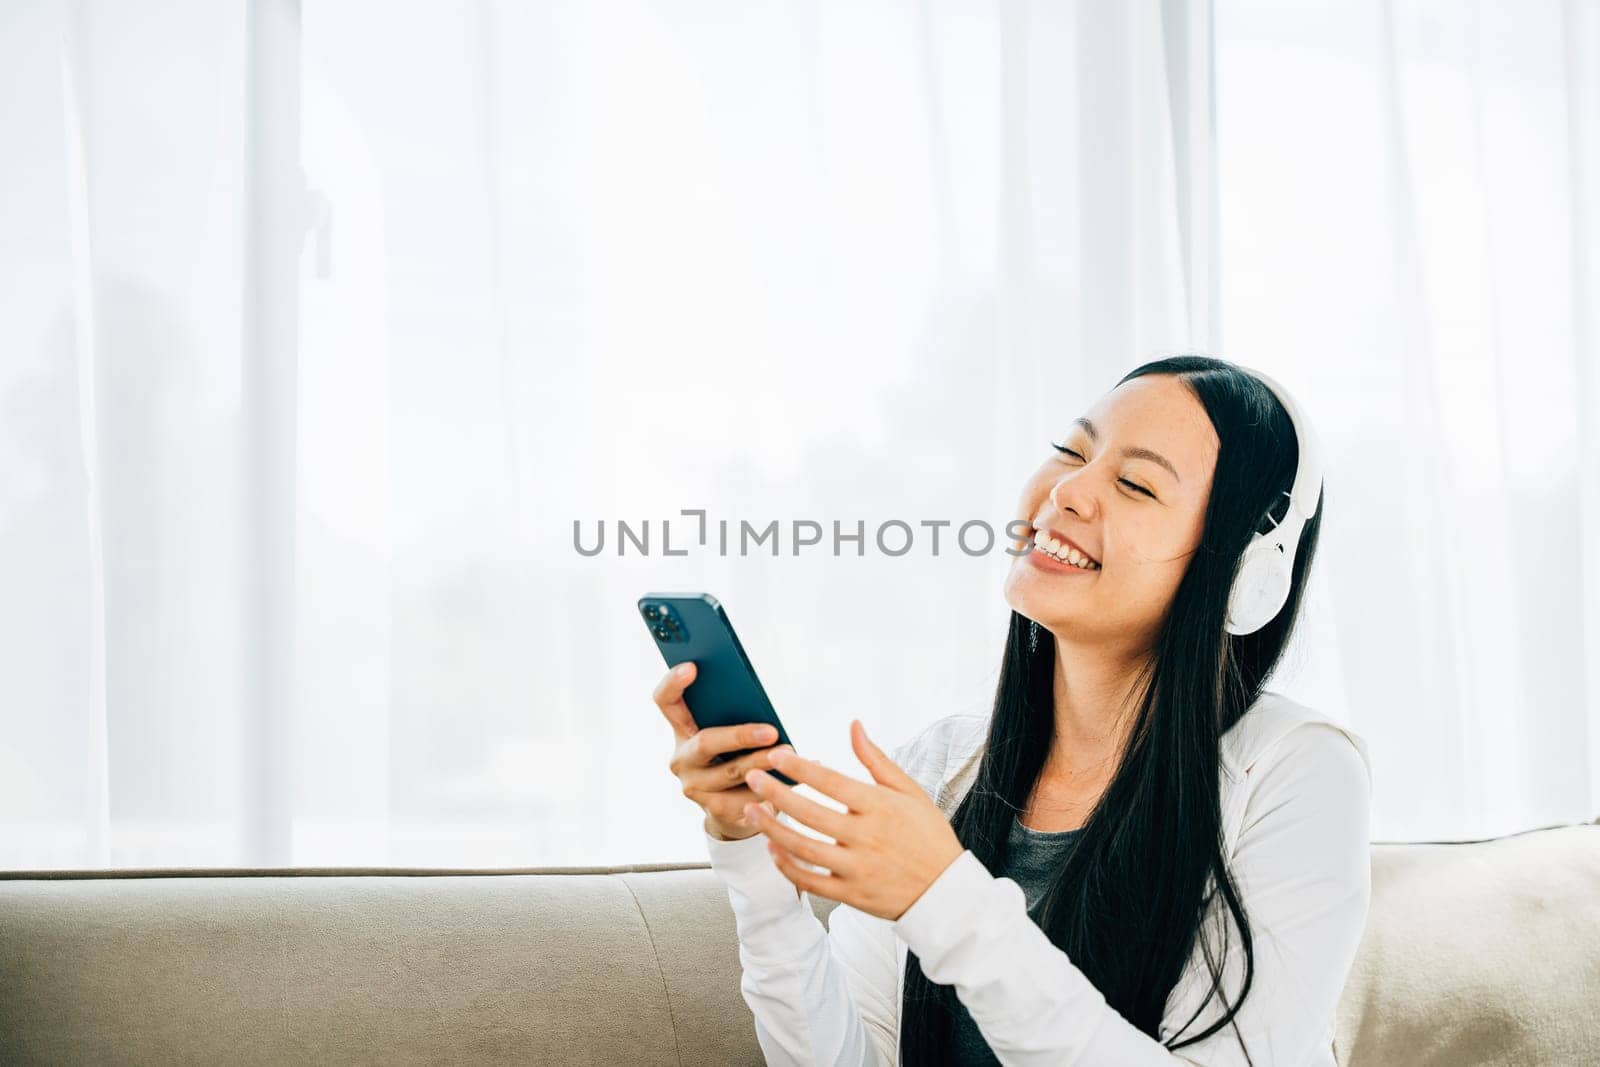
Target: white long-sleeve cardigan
(1296, 802)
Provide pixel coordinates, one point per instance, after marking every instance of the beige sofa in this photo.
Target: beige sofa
(1475, 953)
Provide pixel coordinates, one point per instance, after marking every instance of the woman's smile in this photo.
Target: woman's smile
(1061, 547)
(1043, 560)
(1053, 554)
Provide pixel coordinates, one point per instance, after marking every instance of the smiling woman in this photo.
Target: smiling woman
(1166, 480)
(1137, 815)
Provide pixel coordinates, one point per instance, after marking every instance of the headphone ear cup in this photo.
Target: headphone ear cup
(1260, 589)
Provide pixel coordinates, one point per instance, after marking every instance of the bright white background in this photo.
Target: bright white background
(317, 335)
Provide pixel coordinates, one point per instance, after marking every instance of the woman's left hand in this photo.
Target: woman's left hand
(888, 847)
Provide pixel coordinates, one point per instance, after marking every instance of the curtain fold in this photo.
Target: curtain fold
(96, 769)
(1581, 32)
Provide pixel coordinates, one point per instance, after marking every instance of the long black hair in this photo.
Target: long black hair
(1128, 903)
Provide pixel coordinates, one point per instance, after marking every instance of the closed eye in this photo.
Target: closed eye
(1124, 481)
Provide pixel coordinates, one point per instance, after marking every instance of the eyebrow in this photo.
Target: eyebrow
(1134, 451)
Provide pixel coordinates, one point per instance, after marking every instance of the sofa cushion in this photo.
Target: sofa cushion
(1483, 952)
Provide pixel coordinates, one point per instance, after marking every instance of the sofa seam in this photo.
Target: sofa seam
(655, 954)
(103, 873)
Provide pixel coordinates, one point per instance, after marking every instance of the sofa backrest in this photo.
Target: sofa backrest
(1475, 953)
(636, 966)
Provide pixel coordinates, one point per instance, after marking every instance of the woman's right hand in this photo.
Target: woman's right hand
(719, 788)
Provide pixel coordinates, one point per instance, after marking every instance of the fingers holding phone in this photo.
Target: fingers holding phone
(715, 706)
(668, 696)
(701, 760)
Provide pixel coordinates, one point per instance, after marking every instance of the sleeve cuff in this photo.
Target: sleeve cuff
(747, 869)
(941, 916)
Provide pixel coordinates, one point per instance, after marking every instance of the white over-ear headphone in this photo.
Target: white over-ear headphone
(1266, 570)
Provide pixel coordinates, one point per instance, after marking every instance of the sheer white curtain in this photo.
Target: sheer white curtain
(1409, 217)
(321, 324)
(325, 323)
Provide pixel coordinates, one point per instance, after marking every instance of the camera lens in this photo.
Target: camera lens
(661, 632)
(649, 611)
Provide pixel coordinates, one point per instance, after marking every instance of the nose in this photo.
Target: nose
(1073, 494)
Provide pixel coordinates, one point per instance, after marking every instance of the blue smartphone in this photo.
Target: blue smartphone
(725, 690)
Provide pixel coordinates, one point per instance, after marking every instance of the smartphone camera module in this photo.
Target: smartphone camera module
(664, 623)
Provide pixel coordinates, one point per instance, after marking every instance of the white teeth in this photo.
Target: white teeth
(1062, 552)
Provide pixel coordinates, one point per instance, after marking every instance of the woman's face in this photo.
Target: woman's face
(1129, 513)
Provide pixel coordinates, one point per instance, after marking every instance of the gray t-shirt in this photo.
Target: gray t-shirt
(1032, 859)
